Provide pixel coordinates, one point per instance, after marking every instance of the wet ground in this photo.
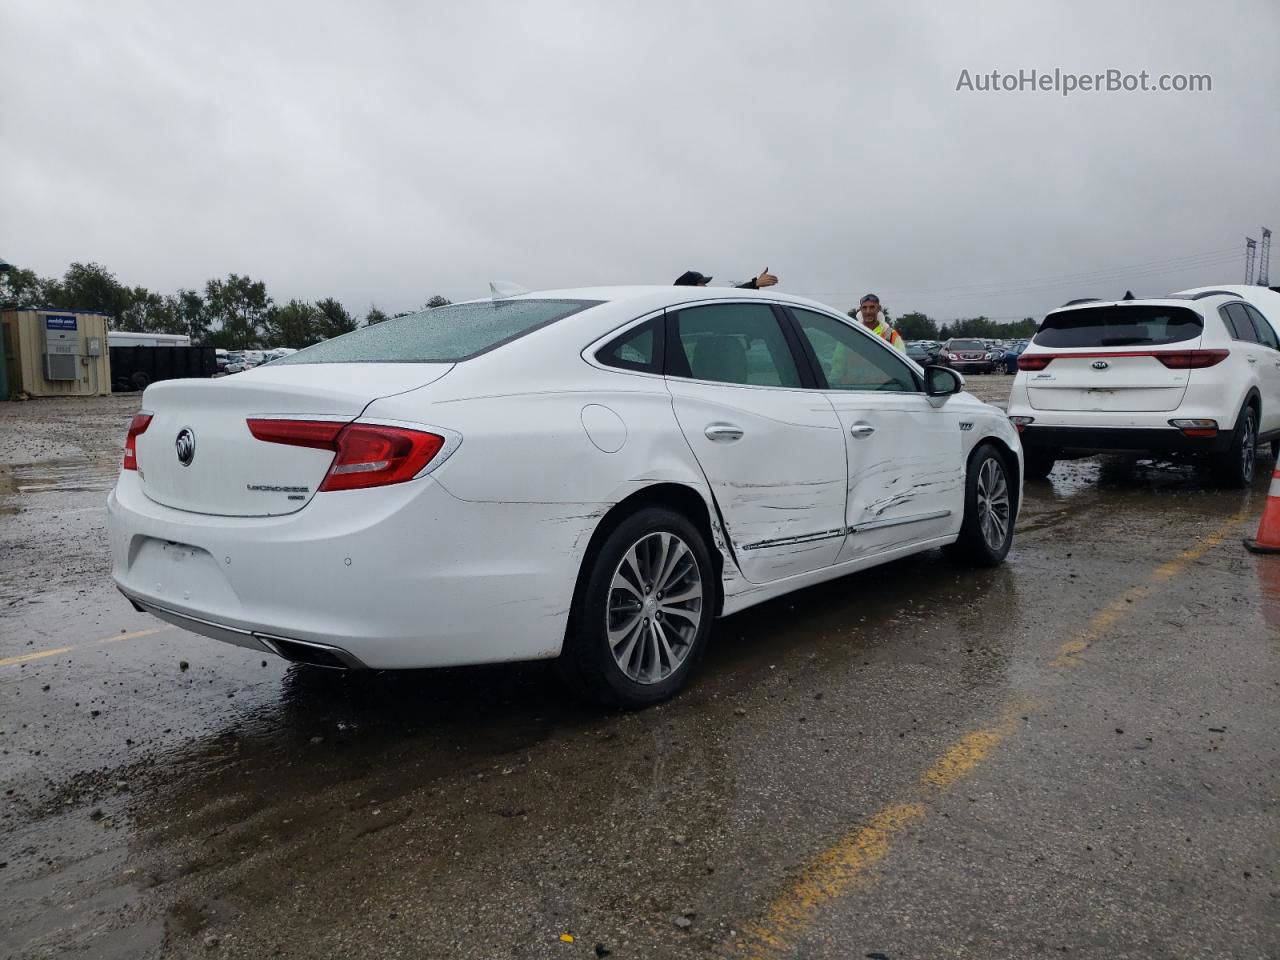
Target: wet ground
(1074, 754)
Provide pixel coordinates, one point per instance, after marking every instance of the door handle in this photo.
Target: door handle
(723, 432)
(1253, 359)
(861, 430)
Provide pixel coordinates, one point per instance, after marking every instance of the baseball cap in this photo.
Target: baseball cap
(691, 278)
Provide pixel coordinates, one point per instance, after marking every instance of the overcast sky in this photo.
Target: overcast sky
(384, 152)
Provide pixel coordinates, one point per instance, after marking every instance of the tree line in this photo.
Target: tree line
(235, 312)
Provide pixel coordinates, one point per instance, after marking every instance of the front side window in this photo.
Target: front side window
(740, 343)
(851, 360)
(1266, 333)
(449, 334)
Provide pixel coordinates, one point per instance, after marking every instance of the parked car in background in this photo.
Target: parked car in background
(968, 354)
(922, 353)
(1009, 362)
(1196, 374)
(657, 457)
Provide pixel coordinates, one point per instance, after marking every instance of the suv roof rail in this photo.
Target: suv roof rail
(1213, 293)
(1072, 303)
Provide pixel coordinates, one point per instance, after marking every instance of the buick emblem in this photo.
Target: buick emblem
(1100, 364)
(186, 446)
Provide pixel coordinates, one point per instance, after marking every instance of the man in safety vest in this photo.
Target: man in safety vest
(872, 318)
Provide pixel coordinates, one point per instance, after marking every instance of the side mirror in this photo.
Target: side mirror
(942, 381)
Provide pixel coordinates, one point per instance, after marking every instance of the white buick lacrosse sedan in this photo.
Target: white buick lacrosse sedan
(594, 475)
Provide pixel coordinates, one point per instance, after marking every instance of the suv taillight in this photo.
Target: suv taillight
(137, 426)
(1190, 359)
(365, 454)
(1034, 362)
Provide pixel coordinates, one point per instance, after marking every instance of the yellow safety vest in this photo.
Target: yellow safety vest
(886, 332)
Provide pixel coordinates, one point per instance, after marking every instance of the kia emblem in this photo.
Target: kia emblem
(1100, 364)
(186, 446)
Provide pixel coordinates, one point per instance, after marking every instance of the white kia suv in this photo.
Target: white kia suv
(1196, 374)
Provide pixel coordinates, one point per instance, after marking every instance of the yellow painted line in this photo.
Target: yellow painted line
(847, 863)
(1070, 654)
(56, 651)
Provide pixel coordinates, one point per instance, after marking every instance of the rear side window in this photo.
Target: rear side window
(1127, 326)
(449, 334)
(740, 343)
(1238, 323)
(639, 349)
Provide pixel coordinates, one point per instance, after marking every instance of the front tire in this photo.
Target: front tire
(1234, 468)
(642, 611)
(989, 510)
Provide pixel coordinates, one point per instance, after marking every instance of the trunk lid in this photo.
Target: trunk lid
(1106, 358)
(1110, 382)
(232, 474)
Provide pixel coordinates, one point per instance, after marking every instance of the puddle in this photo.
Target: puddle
(78, 475)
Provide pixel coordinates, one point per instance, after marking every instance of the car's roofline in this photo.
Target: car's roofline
(1170, 301)
(645, 294)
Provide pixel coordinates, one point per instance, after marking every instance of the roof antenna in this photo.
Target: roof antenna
(1128, 295)
(501, 289)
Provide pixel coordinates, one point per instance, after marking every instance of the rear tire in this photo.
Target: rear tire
(1038, 464)
(989, 510)
(140, 380)
(641, 612)
(1235, 467)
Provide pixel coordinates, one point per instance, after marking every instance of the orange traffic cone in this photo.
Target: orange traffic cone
(1268, 538)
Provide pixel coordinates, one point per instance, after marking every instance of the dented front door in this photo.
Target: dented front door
(906, 482)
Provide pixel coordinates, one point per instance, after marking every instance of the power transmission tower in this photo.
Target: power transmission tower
(1250, 251)
(1264, 259)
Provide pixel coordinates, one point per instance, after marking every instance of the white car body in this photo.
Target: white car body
(1126, 396)
(476, 558)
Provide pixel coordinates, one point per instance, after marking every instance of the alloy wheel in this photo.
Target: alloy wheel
(654, 607)
(994, 512)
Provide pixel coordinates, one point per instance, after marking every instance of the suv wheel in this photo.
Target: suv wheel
(1234, 467)
(989, 510)
(642, 611)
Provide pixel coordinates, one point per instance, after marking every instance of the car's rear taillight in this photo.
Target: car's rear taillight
(1190, 359)
(1034, 361)
(137, 426)
(365, 454)
(1173, 359)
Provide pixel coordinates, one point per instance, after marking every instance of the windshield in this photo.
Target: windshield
(449, 334)
(965, 345)
(1121, 326)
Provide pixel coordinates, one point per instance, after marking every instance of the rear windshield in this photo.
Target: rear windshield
(1137, 325)
(966, 345)
(459, 331)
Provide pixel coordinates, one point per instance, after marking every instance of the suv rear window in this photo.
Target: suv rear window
(1137, 325)
(449, 334)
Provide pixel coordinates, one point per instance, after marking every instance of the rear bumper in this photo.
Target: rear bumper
(1126, 439)
(401, 577)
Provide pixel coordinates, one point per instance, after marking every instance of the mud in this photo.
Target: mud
(168, 796)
